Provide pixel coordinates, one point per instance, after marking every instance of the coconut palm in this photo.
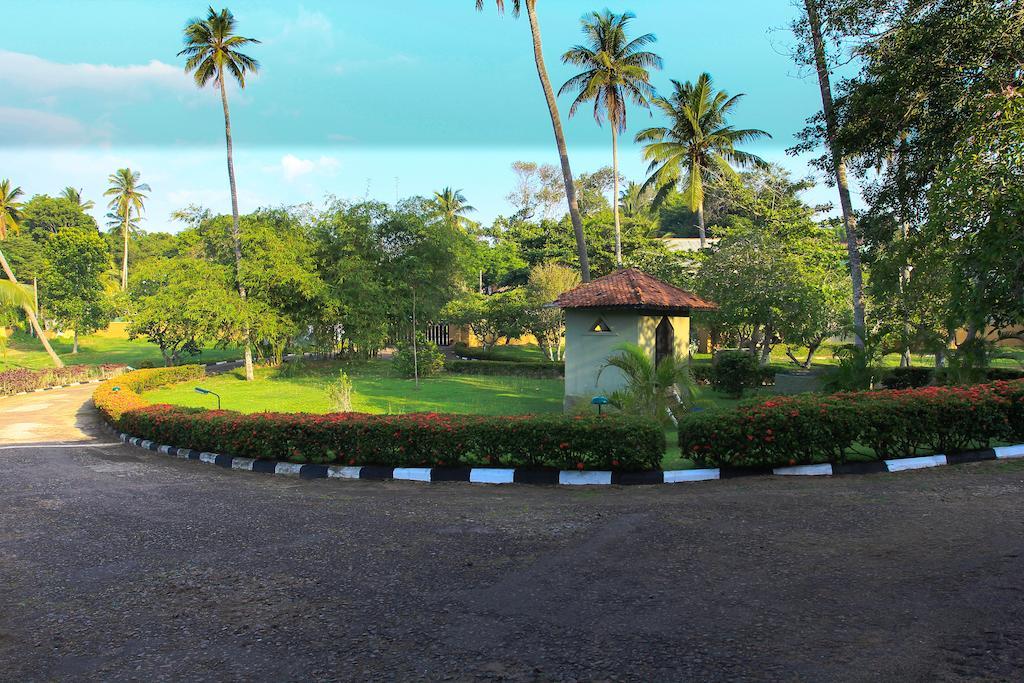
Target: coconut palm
(699, 142)
(634, 200)
(615, 72)
(650, 391)
(556, 124)
(212, 51)
(126, 193)
(75, 197)
(10, 217)
(453, 207)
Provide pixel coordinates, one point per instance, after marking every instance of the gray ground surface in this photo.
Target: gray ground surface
(118, 564)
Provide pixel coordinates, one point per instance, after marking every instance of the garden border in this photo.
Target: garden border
(494, 475)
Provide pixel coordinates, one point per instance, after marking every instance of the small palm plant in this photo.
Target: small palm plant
(651, 390)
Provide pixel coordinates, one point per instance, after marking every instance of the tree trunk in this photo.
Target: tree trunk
(556, 123)
(905, 358)
(700, 226)
(415, 356)
(839, 167)
(32, 319)
(74, 345)
(236, 241)
(615, 195)
(124, 257)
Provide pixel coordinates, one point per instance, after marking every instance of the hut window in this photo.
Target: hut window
(600, 327)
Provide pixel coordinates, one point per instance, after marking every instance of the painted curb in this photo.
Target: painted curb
(492, 475)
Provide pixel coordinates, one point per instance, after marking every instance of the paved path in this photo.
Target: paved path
(117, 564)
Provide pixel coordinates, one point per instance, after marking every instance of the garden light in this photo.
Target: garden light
(200, 390)
(599, 401)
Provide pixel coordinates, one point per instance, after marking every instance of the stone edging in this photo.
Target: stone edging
(492, 475)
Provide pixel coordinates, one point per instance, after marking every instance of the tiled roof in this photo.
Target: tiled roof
(631, 288)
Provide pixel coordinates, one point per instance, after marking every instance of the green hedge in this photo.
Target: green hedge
(810, 428)
(416, 440)
(498, 367)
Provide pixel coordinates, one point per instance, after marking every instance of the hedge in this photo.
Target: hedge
(810, 428)
(414, 440)
(704, 373)
(499, 367)
(18, 380)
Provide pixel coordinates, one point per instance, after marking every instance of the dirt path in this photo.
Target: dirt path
(117, 564)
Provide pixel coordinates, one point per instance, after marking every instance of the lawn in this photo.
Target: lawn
(109, 346)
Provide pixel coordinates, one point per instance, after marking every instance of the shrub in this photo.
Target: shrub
(702, 373)
(908, 378)
(17, 380)
(804, 429)
(422, 439)
(735, 371)
(428, 358)
(501, 367)
(340, 392)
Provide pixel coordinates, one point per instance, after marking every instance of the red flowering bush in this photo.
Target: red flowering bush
(17, 380)
(810, 428)
(414, 440)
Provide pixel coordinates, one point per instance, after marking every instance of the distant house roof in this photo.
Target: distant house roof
(633, 289)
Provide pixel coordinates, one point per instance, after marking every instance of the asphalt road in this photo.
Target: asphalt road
(119, 564)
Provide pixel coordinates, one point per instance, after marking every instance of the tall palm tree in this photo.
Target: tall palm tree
(453, 207)
(556, 124)
(126, 193)
(212, 51)
(699, 142)
(615, 71)
(10, 216)
(74, 196)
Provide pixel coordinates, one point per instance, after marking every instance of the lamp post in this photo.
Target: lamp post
(599, 401)
(200, 390)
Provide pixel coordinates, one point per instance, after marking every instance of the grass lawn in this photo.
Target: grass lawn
(108, 346)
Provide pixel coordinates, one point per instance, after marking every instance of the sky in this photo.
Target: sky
(354, 99)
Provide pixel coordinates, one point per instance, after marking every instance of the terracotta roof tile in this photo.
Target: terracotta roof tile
(631, 288)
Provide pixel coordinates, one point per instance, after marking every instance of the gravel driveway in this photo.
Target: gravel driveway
(117, 564)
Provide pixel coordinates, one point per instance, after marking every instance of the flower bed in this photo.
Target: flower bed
(806, 429)
(414, 440)
(19, 380)
(543, 370)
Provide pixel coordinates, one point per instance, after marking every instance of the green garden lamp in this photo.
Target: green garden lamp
(599, 401)
(200, 390)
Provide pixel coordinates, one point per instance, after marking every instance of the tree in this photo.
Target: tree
(556, 124)
(538, 186)
(127, 196)
(699, 142)
(650, 389)
(74, 196)
(453, 207)
(547, 323)
(9, 223)
(43, 216)
(491, 318)
(615, 72)
(183, 304)
(73, 281)
(213, 52)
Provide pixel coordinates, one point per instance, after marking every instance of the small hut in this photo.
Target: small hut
(626, 306)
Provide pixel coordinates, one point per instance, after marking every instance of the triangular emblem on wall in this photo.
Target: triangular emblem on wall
(600, 326)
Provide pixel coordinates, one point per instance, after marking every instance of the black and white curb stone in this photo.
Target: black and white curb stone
(493, 475)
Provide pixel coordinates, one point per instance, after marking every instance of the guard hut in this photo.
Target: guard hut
(626, 306)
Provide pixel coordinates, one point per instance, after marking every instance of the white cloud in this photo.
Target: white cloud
(311, 28)
(293, 167)
(41, 75)
(32, 126)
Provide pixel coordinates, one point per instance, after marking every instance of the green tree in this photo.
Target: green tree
(556, 124)
(699, 142)
(182, 305)
(213, 54)
(453, 207)
(546, 322)
(650, 390)
(10, 216)
(72, 285)
(43, 216)
(615, 72)
(491, 318)
(126, 193)
(74, 196)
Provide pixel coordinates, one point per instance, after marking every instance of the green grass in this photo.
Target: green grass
(108, 346)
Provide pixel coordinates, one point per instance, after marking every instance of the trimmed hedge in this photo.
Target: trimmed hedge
(415, 440)
(18, 380)
(809, 428)
(704, 373)
(501, 367)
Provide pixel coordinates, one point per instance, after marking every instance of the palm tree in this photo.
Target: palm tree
(615, 71)
(634, 200)
(126, 193)
(212, 52)
(699, 141)
(650, 390)
(556, 124)
(10, 216)
(453, 207)
(75, 197)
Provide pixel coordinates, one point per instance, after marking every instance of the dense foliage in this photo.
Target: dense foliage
(542, 369)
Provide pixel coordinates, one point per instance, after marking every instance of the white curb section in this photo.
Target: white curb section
(903, 464)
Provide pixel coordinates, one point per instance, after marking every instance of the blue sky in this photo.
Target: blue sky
(354, 99)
